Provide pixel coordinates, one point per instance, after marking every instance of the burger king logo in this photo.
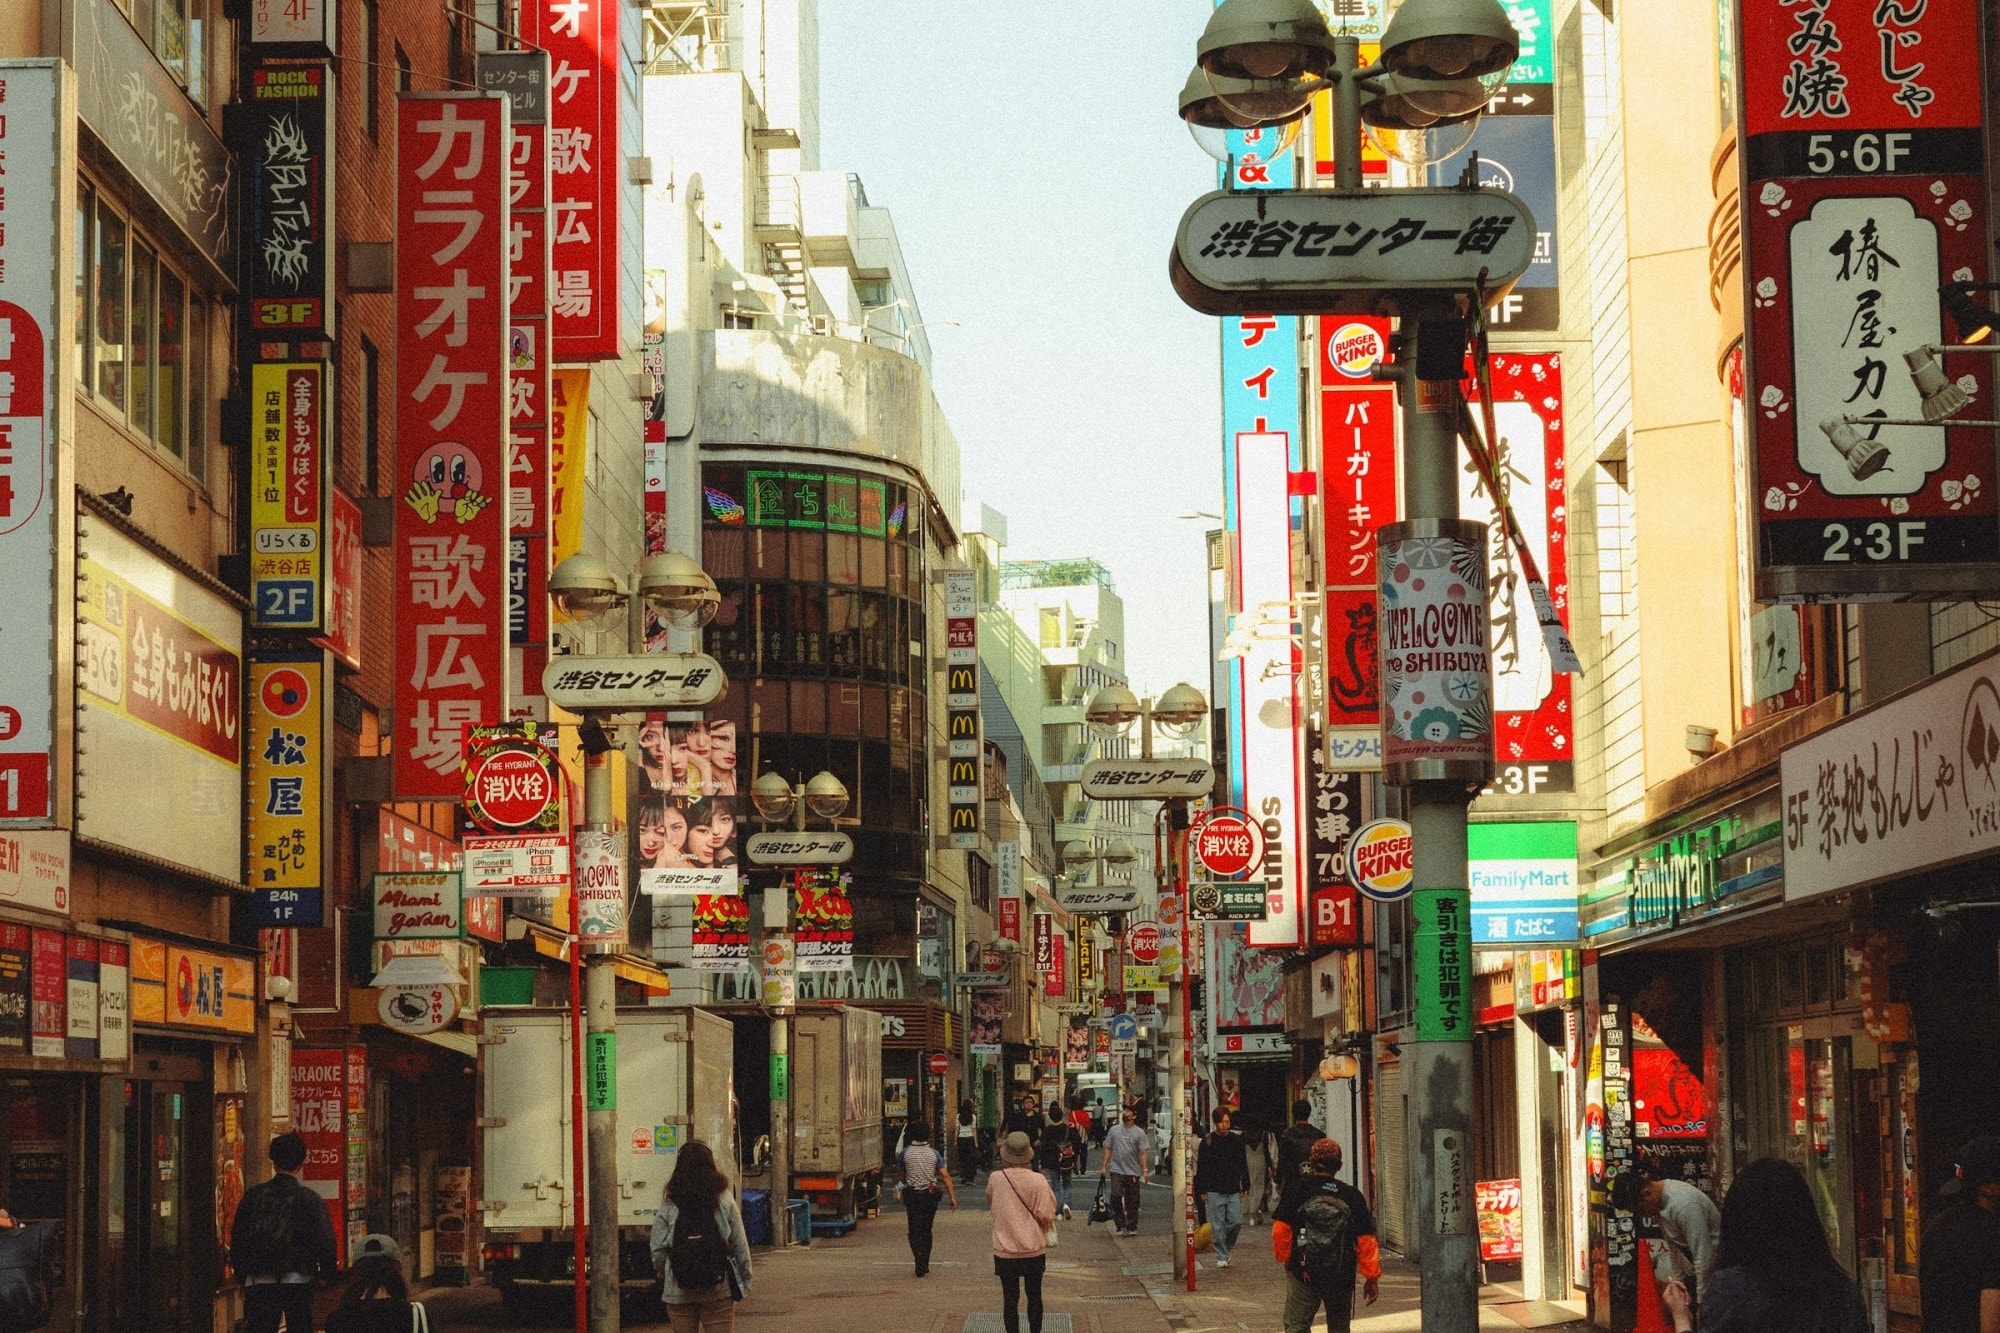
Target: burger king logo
(1380, 860)
(1355, 349)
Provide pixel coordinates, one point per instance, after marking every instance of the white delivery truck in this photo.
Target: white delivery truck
(676, 1081)
(837, 1114)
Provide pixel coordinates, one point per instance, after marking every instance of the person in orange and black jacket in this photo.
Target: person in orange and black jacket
(1304, 1295)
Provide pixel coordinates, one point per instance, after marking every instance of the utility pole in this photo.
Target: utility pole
(1438, 792)
(1260, 63)
(600, 1003)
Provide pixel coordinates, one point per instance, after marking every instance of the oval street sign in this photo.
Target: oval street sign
(812, 848)
(1319, 252)
(1146, 779)
(417, 1010)
(628, 684)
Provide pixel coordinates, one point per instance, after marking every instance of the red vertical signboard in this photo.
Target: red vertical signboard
(585, 170)
(524, 77)
(319, 1116)
(1863, 190)
(450, 594)
(1533, 726)
(1357, 496)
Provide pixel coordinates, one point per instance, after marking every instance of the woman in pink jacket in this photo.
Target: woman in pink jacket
(1023, 1208)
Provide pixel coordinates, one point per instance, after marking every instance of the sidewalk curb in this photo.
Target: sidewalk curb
(1161, 1293)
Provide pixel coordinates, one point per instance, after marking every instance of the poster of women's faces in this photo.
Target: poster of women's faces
(689, 817)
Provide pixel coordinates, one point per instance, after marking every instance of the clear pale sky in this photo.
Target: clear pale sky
(1036, 166)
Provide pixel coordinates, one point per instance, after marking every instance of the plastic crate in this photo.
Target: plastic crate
(757, 1216)
(800, 1211)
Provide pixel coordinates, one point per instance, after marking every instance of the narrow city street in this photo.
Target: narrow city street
(1096, 1283)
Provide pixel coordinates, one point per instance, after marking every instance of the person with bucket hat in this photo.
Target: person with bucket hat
(1958, 1263)
(1024, 1212)
(376, 1298)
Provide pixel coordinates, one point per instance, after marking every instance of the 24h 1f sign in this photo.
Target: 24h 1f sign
(1313, 252)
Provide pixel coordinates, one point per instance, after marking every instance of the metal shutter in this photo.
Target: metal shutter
(1392, 1182)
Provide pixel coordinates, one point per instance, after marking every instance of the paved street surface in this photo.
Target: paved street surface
(1097, 1283)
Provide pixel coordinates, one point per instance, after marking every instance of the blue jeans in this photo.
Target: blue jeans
(1059, 1182)
(1225, 1216)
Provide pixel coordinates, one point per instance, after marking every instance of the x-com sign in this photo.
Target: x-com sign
(1313, 252)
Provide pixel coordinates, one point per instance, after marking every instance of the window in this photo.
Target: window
(371, 411)
(402, 69)
(371, 69)
(145, 329)
(135, 348)
(86, 327)
(176, 31)
(109, 265)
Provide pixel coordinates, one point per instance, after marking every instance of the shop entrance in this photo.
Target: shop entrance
(40, 1174)
(158, 1242)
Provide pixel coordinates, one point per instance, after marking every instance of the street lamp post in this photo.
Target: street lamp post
(676, 590)
(1262, 61)
(1177, 714)
(779, 801)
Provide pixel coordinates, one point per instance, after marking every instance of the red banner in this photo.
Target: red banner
(1010, 919)
(586, 170)
(1533, 725)
(1357, 496)
(450, 596)
(343, 583)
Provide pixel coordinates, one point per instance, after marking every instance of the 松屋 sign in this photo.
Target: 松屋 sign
(1864, 189)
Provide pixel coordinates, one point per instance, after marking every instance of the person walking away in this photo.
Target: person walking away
(699, 1246)
(1294, 1145)
(968, 1139)
(376, 1298)
(27, 1274)
(1125, 1166)
(1023, 1208)
(1086, 1126)
(281, 1243)
(1060, 1154)
(1324, 1234)
(1257, 1154)
(1774, 1268)
(1221, 1178)
(925, 1181)
(1690, 1227)
(1958, 1263)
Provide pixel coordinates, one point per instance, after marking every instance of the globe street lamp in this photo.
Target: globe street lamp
(1178, 714)
(778, 801)
(600, 686)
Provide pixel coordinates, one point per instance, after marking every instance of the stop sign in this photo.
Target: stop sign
(1144, 942)
(1228, 844)
(940, 1062)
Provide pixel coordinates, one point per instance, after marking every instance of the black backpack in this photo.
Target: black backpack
(25, 1301)
(1323, 1240)
(698, 1259)
(261, 1239)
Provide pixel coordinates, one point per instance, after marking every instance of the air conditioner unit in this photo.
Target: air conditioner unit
(823, 326)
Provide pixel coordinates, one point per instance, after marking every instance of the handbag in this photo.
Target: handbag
(1100, 1211)
(419, 1321)
(1049, 1236)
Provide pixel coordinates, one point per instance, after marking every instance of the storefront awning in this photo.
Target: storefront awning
(555, 944)
(458, 1043)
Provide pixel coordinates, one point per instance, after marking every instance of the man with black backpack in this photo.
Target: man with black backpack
(1295, 1143)
(1324, 1235)
(281, 1243)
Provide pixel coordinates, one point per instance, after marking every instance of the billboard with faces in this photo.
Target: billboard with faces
(689, 817)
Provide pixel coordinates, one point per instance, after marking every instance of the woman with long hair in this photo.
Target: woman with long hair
(711, 837)
(699, 1246)
(376, 1299)
(1775, 1271)
(662, 833)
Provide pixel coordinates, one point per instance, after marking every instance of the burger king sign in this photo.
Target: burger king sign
(1355, 348)
(1381, 861)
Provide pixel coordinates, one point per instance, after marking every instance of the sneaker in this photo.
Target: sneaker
(1222, 1263)
(1066, 1212)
